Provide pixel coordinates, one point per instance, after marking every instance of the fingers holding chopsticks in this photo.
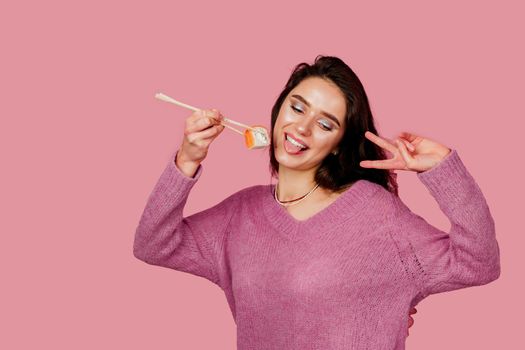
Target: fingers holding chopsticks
(202, 127)
(203, 120)
(205, 117)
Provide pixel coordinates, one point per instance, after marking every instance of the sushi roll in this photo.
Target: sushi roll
(256, 137)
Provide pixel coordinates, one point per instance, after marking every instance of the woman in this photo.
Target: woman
(329, 257)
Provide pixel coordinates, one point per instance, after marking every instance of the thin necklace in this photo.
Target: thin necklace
(296, 200)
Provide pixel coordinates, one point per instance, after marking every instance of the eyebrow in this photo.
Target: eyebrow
(299, 97)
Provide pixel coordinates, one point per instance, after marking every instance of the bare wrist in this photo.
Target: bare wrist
(188, 168)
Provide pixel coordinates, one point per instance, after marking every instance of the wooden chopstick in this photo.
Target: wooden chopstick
(165, 98)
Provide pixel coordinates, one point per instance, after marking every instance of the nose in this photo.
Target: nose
(304, 125)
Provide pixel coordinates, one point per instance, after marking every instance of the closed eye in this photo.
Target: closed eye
(327, 128)
(324, 126)
(295, 108)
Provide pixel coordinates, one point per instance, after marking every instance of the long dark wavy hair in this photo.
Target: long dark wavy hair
(337, 172)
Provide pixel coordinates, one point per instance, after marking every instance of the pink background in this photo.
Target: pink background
(84, 141)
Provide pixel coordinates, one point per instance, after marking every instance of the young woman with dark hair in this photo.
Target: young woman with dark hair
(329, 257)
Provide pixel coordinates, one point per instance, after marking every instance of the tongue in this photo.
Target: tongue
(292, 148)
(297, 148)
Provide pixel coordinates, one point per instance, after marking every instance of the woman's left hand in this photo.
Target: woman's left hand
(410, 151)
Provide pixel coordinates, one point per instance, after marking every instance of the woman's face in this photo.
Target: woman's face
(313, 113)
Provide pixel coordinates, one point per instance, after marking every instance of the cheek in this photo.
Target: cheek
(282, 120)
(324, 139)
(285, 116)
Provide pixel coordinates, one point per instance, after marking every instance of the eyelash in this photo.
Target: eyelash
(322, 125)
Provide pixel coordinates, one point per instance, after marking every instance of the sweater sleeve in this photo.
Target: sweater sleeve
(468, 255)
(191, 244)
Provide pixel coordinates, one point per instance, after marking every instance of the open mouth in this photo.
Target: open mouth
(293, 147)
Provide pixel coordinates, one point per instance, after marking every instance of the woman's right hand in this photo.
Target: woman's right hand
(202, 127)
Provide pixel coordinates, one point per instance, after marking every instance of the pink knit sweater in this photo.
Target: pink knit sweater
(344, 278)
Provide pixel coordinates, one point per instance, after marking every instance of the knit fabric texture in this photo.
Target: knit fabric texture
(345, 278)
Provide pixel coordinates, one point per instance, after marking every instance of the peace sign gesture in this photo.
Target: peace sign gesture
(410, 151)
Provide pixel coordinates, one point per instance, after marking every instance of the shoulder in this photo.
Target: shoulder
(390, 203)
(249, 193)
(373, 189)
(246, 202)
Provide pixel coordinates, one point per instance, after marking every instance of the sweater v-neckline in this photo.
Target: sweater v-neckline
(341, 209)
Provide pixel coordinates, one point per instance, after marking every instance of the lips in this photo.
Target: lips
(296, 139)
(292, 149)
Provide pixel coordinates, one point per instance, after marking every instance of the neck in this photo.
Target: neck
(295, 183)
